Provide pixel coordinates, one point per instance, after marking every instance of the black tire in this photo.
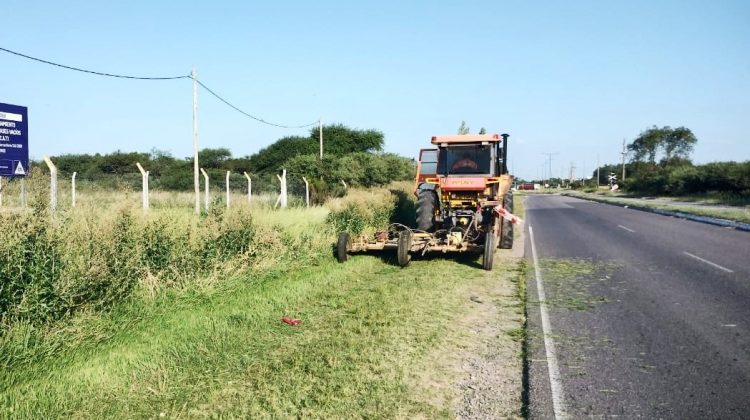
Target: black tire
(404, 245)
(343, 246)
(506, 235)
(489, 251)
(426, 206)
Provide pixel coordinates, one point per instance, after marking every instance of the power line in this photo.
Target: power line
(91, 71)
(260, 120)
(249, 115)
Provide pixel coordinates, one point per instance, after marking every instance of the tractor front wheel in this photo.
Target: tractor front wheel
(343, 246)
(404, 246)
(489, 251)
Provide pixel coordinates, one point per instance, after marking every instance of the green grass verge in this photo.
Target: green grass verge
(365, 324)
(738, 214)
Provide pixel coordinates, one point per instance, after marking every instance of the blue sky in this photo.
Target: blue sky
(573, 77)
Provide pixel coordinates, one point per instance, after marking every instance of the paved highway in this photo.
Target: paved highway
(648, 316)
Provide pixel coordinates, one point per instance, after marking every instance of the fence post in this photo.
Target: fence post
(282, 196)
(1, 191)
(249, 188)
(73, 189)
(307, 192)
(144, 183)
(52, 183)
(205, 177)
(228, 188)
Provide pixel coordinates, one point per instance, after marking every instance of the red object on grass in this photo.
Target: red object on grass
(290, 321)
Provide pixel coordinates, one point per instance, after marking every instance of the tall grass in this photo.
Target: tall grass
(55, 266)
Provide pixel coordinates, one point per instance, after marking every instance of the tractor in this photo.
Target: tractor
(464, 202)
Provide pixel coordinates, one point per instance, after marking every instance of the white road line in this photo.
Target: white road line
(628, 229)
(708, 262)
(558, 401)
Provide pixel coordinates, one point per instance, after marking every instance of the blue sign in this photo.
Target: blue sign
(14, 140)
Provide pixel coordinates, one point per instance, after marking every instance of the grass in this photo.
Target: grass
(739, 214)
(215, 346)
(364, 326)
(569, 282)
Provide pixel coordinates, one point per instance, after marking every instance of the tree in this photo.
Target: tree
(214, 158)
(679, 143)
(339, 139)
(672, 142)
(463, 128)
(482, 131)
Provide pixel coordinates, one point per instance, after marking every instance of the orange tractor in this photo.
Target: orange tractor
(464, 202)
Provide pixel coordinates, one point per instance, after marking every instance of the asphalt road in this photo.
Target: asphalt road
(649, 315)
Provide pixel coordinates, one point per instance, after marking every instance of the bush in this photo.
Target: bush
(683, 178)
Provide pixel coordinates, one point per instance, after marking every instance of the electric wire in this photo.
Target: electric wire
(121, 76)
(189, 76)
(260, 120)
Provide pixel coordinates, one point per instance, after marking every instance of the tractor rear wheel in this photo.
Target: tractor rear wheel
(404, 245)
(489, 251)
(506, 236)
(343, 246)
(426, 206)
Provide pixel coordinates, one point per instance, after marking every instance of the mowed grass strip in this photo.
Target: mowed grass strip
(365, 326)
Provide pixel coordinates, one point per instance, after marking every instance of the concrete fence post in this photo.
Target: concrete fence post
(144, 184)
(249, 188)
(73, 189)
(52, 183)
(205, 178)
(307, 192)
(228, 172)
(282, 200)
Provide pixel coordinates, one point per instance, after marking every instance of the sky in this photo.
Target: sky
(572, 78)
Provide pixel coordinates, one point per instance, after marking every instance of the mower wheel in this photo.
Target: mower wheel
(344, 244)
(506, 236)
(404, 245)
(489, 251)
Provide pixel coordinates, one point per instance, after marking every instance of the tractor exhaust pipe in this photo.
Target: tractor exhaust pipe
(505, 152)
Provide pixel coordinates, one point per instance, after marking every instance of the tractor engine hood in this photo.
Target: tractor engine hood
(463, 183)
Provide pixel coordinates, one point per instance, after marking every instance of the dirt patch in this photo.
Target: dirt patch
(476, 370)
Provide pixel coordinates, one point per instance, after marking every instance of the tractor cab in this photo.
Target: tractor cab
(475, 157)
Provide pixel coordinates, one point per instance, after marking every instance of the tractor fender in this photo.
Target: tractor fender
(427, 186)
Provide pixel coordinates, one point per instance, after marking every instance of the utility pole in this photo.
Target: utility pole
(196, 174)
(597, 172)
(572, 171)
(549, 156)
(624, 153)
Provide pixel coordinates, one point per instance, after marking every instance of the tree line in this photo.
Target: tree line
(660, 164)
(351, 155)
